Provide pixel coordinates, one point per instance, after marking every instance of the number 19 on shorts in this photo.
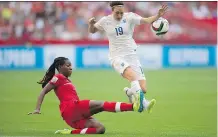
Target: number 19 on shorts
(119, 31)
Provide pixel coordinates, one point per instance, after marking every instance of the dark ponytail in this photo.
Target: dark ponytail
(51, 71)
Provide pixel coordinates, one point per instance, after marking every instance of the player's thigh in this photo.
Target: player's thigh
(123, 68)
(136, 66)
(134, 70)
(119, 64)
(77, 111)
(139, 73)
(83, 107)
(95, 106)
(130, 74)
(76, 115)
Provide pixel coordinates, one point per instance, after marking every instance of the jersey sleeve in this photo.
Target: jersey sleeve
(56, 80)
(135, 18)
(100, 24)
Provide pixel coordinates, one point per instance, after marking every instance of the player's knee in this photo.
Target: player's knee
(101, 106)
(101, 129)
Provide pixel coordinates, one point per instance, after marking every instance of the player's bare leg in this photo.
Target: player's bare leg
(93, 123)
(143, 85)
(91, 126)
(136, 84)
(131, 76)
(99, 106)
(94, 127)
(96, 106)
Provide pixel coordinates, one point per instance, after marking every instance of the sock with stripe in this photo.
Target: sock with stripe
(117, 106)
(84, 131)
(135, 86)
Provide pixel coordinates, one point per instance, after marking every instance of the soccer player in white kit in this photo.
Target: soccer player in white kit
(119, 28)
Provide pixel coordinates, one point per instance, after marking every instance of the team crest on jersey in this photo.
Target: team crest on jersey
(54, 79)
(122, 64)
(124, 21)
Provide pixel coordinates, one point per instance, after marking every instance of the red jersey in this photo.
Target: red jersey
(64, 90)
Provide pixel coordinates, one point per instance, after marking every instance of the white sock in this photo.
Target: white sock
(145, 103)
(131, 99)
(135, 86)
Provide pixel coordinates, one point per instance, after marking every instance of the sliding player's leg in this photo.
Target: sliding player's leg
(84, 126)
(84, 109)
(99, 106)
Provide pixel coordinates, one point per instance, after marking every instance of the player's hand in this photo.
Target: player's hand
(34, 112)
(162, 10)
(92, 21)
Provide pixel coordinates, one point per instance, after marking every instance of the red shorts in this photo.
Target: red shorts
(76, 114)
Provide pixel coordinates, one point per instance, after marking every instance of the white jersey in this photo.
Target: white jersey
(120, 33)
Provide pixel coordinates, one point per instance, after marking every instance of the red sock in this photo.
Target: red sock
(84, 131)
(117, 107)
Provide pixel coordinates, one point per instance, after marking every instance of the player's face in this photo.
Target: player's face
(66, 69)
(118, 12)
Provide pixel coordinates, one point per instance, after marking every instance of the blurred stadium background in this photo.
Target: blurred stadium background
(180, 67)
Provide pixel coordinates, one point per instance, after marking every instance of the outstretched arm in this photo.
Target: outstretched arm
(151, 19)
(44, 91)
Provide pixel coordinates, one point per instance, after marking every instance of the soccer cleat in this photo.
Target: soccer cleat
(151, 105)
(64, 132)
(138, 101)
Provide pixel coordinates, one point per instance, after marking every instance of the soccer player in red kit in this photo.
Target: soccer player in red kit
(75, 112)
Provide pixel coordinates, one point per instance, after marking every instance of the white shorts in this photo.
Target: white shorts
(121, 63)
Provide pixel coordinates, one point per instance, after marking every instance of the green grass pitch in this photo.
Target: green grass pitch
(186, 104)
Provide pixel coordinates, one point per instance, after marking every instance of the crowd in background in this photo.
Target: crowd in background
(68, 20)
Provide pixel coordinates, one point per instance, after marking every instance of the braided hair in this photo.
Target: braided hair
(59, 61)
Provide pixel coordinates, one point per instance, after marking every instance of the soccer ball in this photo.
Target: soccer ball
(160, 26)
